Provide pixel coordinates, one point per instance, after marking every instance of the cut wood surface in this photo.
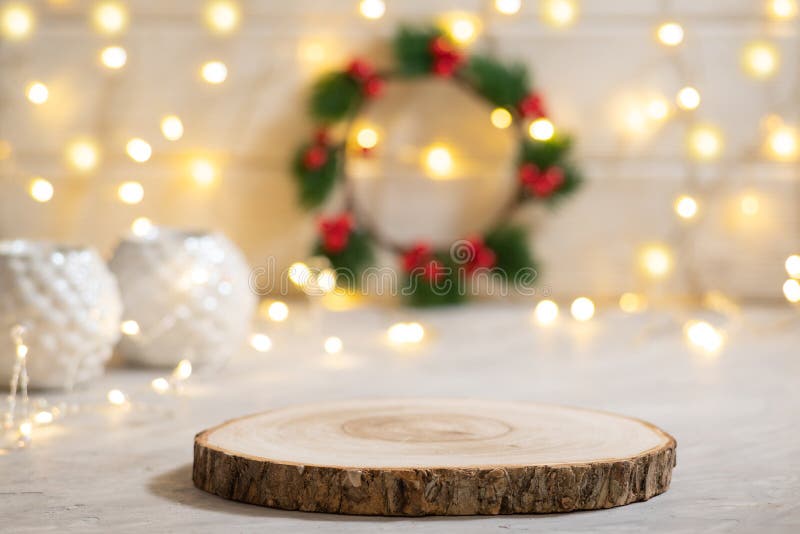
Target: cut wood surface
(416, 457)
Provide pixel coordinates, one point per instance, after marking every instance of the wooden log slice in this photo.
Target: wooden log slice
(434, 457)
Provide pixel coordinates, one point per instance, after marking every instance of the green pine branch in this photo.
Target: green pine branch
(351, 262)
(315, 185)
(335, 97)
(503, 85)
(412, 50)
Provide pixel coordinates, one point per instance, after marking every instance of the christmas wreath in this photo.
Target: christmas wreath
(432, 276)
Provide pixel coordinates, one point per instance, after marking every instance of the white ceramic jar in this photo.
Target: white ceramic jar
(68, 302)
(186, 295)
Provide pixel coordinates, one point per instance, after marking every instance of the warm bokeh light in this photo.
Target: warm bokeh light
(40, 189)
(670, 34)
(749, 204)
(142, 227)
(545, 312)
(299, 274)
(326, 280)
(372, 9)
(110, 17)
(582, 309)
(183, 370)
(705, 142)
(277, 311)
(542, 129)
(438, 161)
(116, 397)
(222, 16)
(632, 302)
(172, 127)
(139, 150)
(793, 265)
(501, 118)
(203, 172)
(704, 336)
(760, 59)
(367, 138)
(685, 207)
(463, 28)
(655, 260)
(782, 9)
(160, 385)
(214, 72)
(130, 192)
(43, 418)
(782, 143)
(333, 345)
(16, 21)
(261, 342)
(129, 327)
(37, 92)
(658, 108)
(508, 7)
(82, 154)
(558, 13)
(791, 290)
(406, 333)
(688, 98)
(114, 57)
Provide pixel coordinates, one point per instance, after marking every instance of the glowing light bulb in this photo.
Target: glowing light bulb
(791, 290)
(793, 266)
(182, 371)
(40, 189)
(582, 309)
(142, 227)
(705, 142)
(26, 429)
(129, 327)
(261, 342)
(116, 397)
(214, 72)
(43, 418)
(782, 9)
(278, 311)
(704, 336)
(203, 172)
(542, 129)
(749, 205)
(172, 127)
(439, 161)
(688, 98)
(367, 138)
(655, 260)
(299, 274)
(82, 154)
(372, 9)
(546, 312)
(222, 16)
(406, 333)
(463, 28)
(326, 280)
(508, 7)
(632, 302)
(139, 150)
(760, 59)
(558, 13)
(160, 385)
(110, 17)
(16, 21)
(333, 345)
(113, 57)
(670, 34)
(658, 109)
(782, 143)
(130, 192)
(37, 93)
(685, 207)
(501, 118)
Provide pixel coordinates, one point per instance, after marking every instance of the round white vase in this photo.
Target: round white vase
(69, 304)
(186, 295)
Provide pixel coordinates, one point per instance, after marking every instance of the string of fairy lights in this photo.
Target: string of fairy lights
(760, 59)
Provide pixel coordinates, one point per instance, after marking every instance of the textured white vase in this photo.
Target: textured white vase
(70, 305)
(188, 294)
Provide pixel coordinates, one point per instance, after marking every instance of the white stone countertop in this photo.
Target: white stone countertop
(735, 416)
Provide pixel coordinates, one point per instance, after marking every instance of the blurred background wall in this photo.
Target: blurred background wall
(606, 78)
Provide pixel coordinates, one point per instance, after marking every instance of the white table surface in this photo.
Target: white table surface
(735, 417)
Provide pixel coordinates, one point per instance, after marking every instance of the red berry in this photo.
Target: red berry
(416, 256)
(445, 65)
(336, 233)
(360, 70)
(433, 271)
(541, 184)
(315, 157)
(373, 87)
(440, 46)
(532, 106)
(482, 256)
